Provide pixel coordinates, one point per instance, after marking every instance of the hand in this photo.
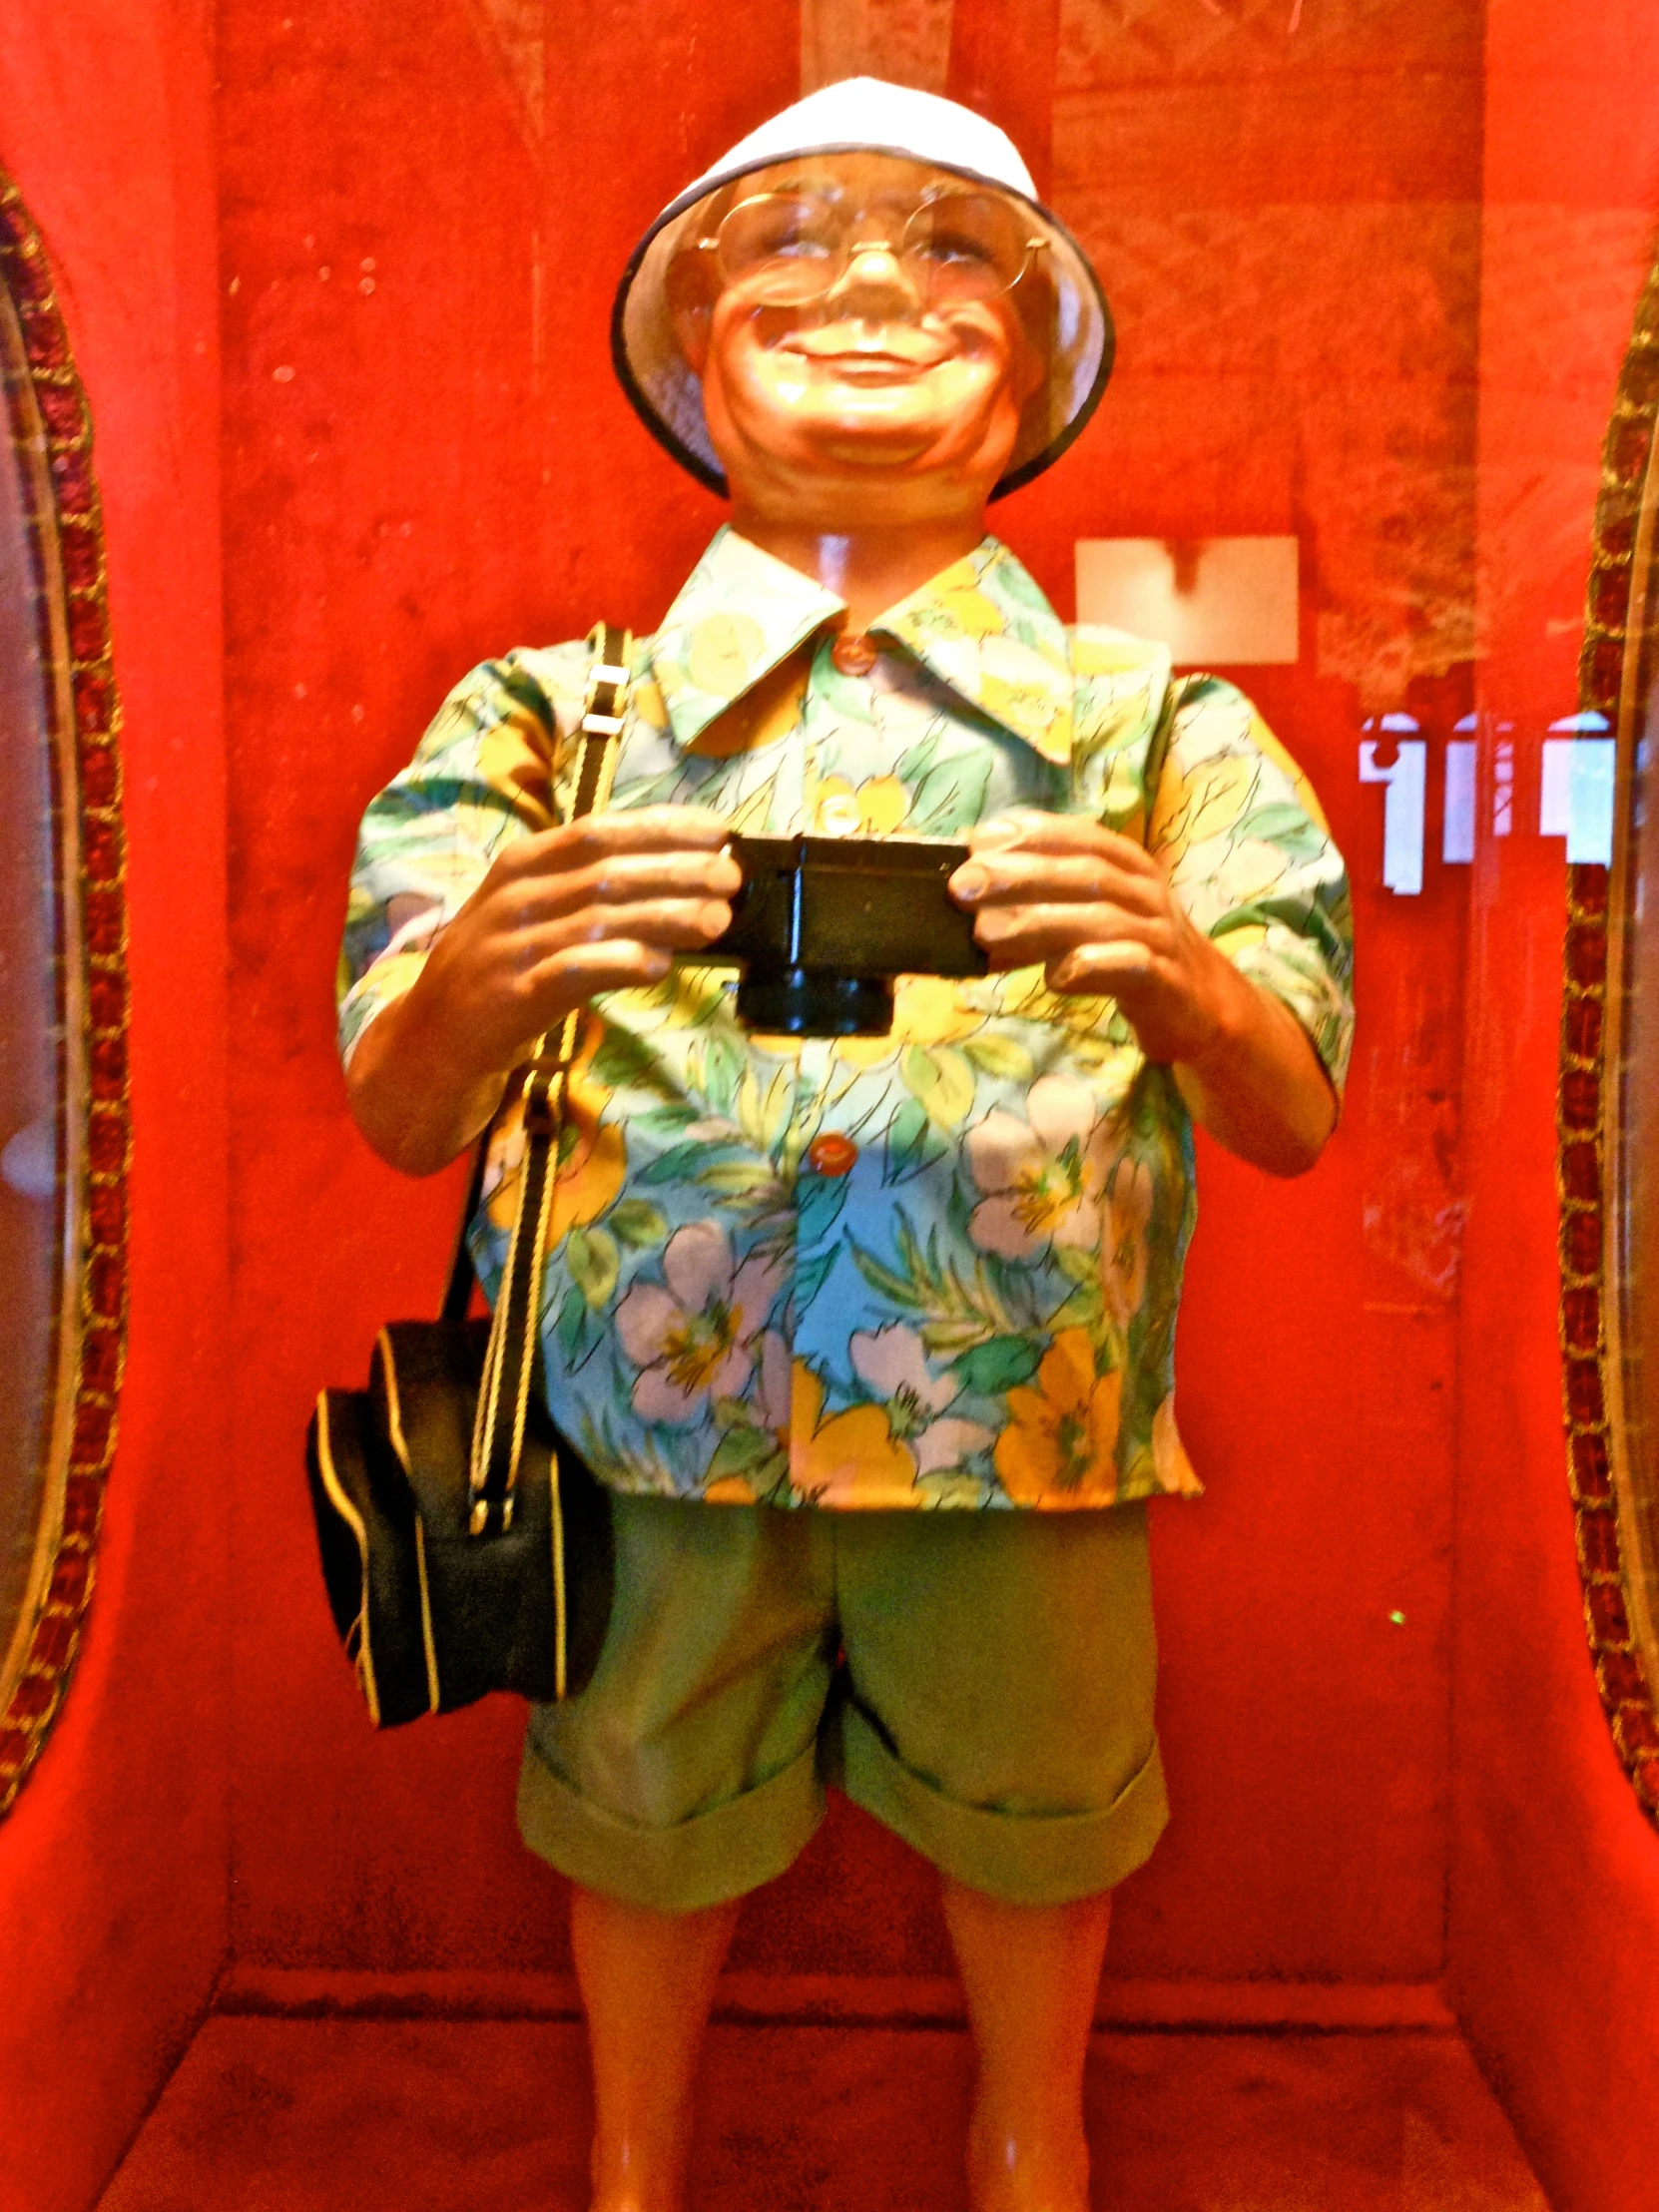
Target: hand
(600, 905)
(1098, 911)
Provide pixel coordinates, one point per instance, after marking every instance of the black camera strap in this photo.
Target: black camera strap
(510, 1361)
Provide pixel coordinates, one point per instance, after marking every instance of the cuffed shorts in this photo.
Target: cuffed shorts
(982, 1683)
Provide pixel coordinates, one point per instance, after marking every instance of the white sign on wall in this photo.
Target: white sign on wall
(1221, 602)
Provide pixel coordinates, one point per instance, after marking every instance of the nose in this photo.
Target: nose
(874, 284)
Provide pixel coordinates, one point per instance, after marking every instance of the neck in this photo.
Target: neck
(871, 568)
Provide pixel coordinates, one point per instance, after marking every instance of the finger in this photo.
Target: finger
(627, 878)
(1020, 877)
(631, 829)
(1032, 830)
(672, 924)
(1104, 969)
(647, 828)
(620, 878)
(619, 964)
(1015, 936)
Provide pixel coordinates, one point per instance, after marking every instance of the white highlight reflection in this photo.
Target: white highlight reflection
(1576, 796)
(1403, 810)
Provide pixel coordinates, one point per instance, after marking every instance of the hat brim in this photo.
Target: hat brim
(667, 394)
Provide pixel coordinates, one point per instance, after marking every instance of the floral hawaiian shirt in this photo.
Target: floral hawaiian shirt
(937, 1267)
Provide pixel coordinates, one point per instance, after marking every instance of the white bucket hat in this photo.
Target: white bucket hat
(864, 115)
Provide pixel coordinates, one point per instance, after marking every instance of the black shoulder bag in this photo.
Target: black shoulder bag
(466, 1546)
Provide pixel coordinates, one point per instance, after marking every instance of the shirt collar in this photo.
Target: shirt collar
(739, 613)
(981, 626)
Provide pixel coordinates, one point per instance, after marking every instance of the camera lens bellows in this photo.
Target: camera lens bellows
(796, 1002)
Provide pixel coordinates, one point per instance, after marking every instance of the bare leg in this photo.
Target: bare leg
(647, 1981)
(1030, 1973)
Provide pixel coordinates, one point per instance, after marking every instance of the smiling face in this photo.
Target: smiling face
(892, 392)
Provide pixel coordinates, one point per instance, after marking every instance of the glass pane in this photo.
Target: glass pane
(1636, 1038)
(30, 1049)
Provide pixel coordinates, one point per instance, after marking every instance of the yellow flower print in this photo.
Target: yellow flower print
(928, 1011)
(1128, 1217)
(767, 711)
(590, 1177)
(875, 809)
(645, 700)
(1058, 1447)
(968, 606)
(1026, 687)
(515, 757)
(722, 652)
(852, 1459)
(1199, 804)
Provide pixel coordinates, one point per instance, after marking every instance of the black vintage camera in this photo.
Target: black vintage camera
(822, 927)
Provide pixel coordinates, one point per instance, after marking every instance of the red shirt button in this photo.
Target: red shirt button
(853, 653)
(831, 1154)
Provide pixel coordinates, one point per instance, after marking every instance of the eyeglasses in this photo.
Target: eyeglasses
(953, 246)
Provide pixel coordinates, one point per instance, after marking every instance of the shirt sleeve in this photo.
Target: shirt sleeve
(1251, 857)
(481, 776)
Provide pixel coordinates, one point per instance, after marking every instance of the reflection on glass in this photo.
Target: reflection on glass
(33, 1070)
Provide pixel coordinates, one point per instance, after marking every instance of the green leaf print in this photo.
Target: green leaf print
(996, 1365)
(761, 1115)
(681, 1163)
(949, 799)
(1085, 1309)
(999, 1056)
(955, 1310)
(1287, 826)
(665, 1123)
(819, 1203)
(808, 1279)
(636, 1222)
(724, 1066)
(594, 1262)
(740, 1451)
(912, 765)
(942, 1080)
(912, 1143)
(627, 1062)
(571, 1326)
(751, 1181)
(1078, 1263)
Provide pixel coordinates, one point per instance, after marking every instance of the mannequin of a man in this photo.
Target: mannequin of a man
(861, 437)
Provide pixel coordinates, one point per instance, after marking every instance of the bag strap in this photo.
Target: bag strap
(509, 1362)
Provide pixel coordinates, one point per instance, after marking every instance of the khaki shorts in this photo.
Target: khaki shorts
(982, 1683)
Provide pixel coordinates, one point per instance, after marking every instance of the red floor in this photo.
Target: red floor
(363, 2115)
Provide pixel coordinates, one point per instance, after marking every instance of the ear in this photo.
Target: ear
(688, 288)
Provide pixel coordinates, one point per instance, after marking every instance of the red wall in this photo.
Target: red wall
(427, 460)
(113, 1892)
(1555, 1959)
